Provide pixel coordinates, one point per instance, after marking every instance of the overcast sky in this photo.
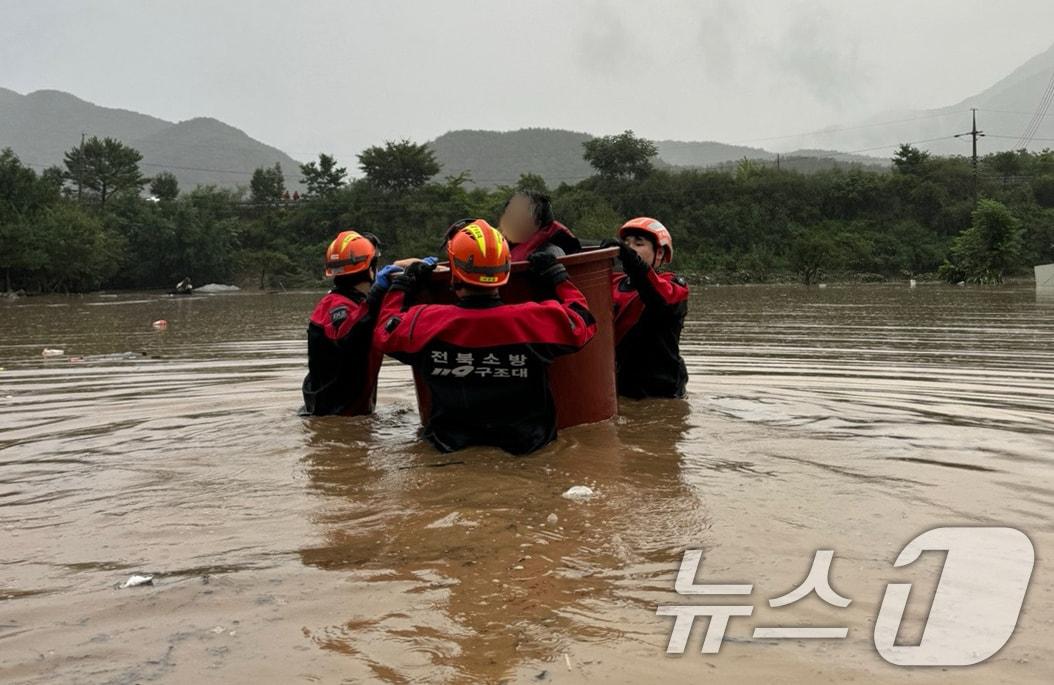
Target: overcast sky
(338, 76)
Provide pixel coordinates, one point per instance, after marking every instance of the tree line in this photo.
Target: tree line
(99, 222)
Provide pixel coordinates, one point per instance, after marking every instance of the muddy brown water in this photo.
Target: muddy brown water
(343, 550)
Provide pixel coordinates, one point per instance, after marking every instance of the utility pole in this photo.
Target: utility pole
(974, 134)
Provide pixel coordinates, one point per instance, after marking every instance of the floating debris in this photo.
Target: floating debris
(217, 288)
(52, 352)
(452, 519)
(137, 581)
(552, 519)
(160, 325)
(579, 492)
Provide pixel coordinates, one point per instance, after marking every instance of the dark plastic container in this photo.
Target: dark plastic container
(583, 383)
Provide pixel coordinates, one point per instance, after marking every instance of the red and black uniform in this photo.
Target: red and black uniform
(554, 238)
(342, 363)
(649, 314)
(485, 362)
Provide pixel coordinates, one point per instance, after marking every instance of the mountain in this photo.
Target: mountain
(41, 126)
(1005, 110)
(704, 154)
(499, 157)
(208, 151)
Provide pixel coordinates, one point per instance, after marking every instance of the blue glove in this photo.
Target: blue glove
(430, 261)
(384, 276)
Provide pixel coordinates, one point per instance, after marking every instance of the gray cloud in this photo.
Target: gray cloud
(338, 75)
(819, 56)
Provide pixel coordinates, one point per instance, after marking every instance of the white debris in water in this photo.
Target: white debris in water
(912, 283)
(52, 352)
(136, 581)
(217, 288)
(822, 285)
(579, 492)
(452, 519)
(552, 519)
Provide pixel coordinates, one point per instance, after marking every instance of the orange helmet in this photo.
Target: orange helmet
(349, 253)
(478, 254)
(651, 228)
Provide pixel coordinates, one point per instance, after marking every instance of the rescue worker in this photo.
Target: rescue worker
(650, 308)
(342, 364)
(528, 223)
(485, 362)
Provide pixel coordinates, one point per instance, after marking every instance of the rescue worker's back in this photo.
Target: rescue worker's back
(485, 362)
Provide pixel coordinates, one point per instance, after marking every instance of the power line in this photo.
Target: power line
(1037, 119)
(992, 135)
(825, 131)
(1012, 111)
(906, 142)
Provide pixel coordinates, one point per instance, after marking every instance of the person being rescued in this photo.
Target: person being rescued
(528, 223)
(485, 362)
(650, 308)
(342, 364)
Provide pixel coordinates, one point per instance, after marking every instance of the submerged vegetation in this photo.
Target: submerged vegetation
(90, 225)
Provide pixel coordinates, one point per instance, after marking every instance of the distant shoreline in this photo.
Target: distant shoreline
(694, 278)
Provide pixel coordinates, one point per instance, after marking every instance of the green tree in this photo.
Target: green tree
(164, 186)
(267, 185)
(269, 265)
(398, 165)
(991, 248)
(70, 250)
(1043, 190)
(1007, 164)
(621, 156)
(909, 159)
(532, 182)
(825, 247)
(22, 192)
(104, 168)
(23, 196)
(322, 177)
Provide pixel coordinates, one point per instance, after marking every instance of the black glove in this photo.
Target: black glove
(546, 268)
(631, 261)
(413, 277)
(632, 264)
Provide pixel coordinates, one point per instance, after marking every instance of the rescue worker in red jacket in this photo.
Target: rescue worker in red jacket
(528, 223)
(650, 308)
(342, 364)
(485, 362)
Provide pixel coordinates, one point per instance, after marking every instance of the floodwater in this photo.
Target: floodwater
(287, 549)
